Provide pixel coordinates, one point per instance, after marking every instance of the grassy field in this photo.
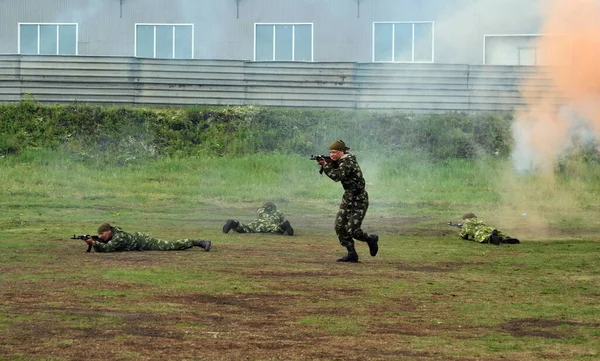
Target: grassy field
(428, 295)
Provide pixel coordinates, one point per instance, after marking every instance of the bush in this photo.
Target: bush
(124, 135)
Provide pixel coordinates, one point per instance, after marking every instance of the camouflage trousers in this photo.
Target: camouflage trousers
(480, 233)
(147, 243)
(257, 227)
(349, 218)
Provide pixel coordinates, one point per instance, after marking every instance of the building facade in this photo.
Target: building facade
(492, 32)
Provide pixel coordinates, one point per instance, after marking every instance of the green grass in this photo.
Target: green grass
(427, 295)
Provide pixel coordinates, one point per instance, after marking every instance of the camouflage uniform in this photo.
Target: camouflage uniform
(268, 221)
(123, 241)
(477, 230)
(355, 200)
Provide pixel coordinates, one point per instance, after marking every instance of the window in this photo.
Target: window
(48, 39)
(403, 42)
(283, 42)
(164, 41)
(514, 49)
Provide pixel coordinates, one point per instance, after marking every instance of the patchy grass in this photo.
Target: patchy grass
(427, 294)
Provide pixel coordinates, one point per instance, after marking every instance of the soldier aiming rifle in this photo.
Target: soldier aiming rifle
(477, 230)
(114, 239)
(341, 166)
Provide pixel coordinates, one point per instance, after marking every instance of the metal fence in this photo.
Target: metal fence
(154, 82)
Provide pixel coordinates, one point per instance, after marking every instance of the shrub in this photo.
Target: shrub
(132, 134)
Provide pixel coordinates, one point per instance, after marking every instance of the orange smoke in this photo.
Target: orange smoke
(568, 87)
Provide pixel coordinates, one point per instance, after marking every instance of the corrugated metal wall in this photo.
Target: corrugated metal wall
(134, 81)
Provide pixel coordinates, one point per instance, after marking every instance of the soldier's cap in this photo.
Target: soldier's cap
(269, 206)
(339, 145)
(468, 215)
(104, 227)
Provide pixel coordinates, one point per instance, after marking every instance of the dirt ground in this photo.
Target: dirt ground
(66, 316)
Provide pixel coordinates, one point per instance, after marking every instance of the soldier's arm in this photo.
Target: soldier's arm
(117, 243)
(337, 173)
(466, 229)
(280, 217)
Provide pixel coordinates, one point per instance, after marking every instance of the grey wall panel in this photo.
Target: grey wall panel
(224, 29)
(133, 81)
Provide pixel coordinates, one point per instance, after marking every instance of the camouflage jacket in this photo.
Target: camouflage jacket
(265, 216)
(347, 171)
(121, 241)
(477, 230)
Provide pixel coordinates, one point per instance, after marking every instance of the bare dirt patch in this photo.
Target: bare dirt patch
(546, 328)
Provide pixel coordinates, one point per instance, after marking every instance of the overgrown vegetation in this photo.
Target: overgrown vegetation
(134, 134)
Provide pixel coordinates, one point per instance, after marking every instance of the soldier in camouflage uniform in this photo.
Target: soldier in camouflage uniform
(114, 239)
(477, 230)
(269, 220)
(343, 167)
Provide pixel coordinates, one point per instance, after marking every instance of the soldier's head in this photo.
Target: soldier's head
(337, 149)
(270, 207)
(105, 232)
(468, 215)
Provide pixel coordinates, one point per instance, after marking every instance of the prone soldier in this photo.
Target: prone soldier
(114, 239)
(269, 220)
(477, 230)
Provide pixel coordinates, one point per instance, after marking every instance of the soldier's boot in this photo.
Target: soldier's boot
(286, 227)
(494, 237)
(229, 225)
(352, 256)
(204, 244)
(373, 246)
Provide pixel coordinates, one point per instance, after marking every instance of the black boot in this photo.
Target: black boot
(229, 225)
(286, 227)
(204, 244)
(510, 240)
(494, 238)
(373, 246)
(352, 256)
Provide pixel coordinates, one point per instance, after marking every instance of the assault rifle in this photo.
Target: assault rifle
(457, 225)
(319, 157)
(84, 237)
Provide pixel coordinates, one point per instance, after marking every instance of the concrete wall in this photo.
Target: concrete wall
(224, 29)
(156, 82)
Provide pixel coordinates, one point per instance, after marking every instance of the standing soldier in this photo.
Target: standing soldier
(114, 239)
(269, 220)
(342, 167)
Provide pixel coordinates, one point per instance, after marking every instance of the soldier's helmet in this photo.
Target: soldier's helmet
(270, 207)
(468, 215)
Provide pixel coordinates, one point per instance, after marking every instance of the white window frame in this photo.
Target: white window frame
(57, 37)
(412, 42)
(485, 36)
(312, 40)
(154, 40)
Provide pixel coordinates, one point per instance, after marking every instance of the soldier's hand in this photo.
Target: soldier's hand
(89, 241)
(321, 161)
